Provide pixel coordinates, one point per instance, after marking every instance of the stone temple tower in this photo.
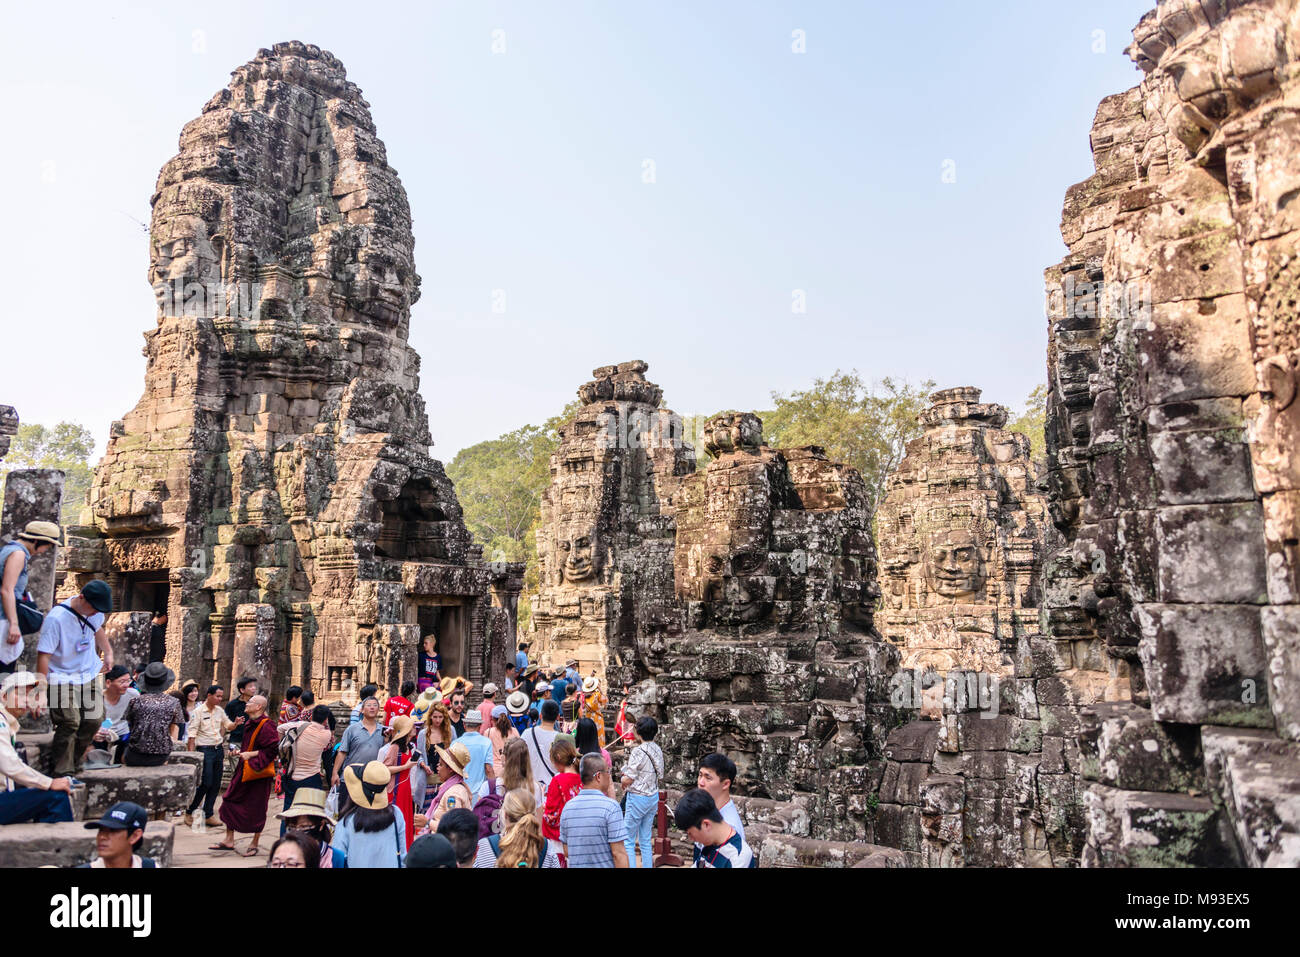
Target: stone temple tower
(959, 532)
(272, 489)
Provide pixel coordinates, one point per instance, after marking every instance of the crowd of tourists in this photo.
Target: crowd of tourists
(419, 779)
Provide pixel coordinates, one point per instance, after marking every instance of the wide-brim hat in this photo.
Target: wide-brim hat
(369, 788)
(456, 756)
(157, 677)
(590, 685)
(99, 758)
(47, 532)
(307, 802)
(448, 686)
(187, 684)
(517, 703)
(401, 726)
(530, 670)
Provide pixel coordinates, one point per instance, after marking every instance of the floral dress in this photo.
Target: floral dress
(593, 706)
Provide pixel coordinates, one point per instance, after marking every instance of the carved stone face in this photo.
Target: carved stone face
(576, 553)
(379, 290)
(954, 564)
(738, 586)
(185, 252)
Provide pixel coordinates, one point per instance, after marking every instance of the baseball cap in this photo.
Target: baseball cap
(489, 690)
(431, 850)
(99, 595)
(122, 816)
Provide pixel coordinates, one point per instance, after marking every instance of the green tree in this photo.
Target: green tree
(1032, 422)
(67, 446)
(866, 425)
(499, 484)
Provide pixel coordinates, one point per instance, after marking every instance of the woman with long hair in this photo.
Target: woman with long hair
(500, 732)
(436, 733)
(586, 738)
(517, 766)
(563, 787)
(371, 833)
(397, 755)
(188, 696)
(520, 843)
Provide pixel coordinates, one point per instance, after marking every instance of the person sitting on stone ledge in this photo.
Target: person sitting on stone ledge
(115, 729)
(717, 843)
(121, 833)
(26, 794)
(155, 719)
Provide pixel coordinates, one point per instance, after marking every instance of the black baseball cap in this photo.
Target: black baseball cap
(99, 595)
(122, 816)
(431, 850)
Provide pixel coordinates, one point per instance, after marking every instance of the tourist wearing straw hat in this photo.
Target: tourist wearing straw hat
(36, 538)
(452, 793)
(592, 703)
(307, 814)
(371, 832)
(397, 756)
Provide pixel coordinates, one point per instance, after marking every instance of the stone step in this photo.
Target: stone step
(783, 850)
(72, 843)
(163, 790)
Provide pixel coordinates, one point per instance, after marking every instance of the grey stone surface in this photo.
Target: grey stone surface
(70, 844)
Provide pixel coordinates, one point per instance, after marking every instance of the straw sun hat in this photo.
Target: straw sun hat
(369, 789)
(456, 757)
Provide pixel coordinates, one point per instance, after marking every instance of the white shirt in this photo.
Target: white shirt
(74, 659)
(12, 771)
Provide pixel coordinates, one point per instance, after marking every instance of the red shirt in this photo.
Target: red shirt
(394, 706)
(562, 788)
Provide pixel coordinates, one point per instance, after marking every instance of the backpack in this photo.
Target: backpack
(289, 745)
(488, 811)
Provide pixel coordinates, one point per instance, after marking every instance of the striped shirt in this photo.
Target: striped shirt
(733, 852)
(590, 823)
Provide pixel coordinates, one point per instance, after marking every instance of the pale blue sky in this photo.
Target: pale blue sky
(774, 171)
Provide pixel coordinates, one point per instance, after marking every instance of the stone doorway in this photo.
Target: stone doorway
(449, 620)
(144, 591)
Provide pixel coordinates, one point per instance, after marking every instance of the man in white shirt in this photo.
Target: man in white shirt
(717, 774)
(539, 738)
(206, 732)
(68, 657)
(26, 794)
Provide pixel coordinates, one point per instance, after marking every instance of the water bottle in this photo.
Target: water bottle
(200, 825)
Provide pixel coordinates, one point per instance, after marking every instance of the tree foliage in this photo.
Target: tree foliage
(1032, 423)
(499, 484)
(866, 425)
(67, 446)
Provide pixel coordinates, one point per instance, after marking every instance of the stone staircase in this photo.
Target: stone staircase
(163, 790)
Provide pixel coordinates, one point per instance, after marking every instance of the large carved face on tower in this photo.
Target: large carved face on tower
(182, 250)
(738, 583)
(955, 566)
(577, 553)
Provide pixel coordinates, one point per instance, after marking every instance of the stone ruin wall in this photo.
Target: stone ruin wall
(986, 772)
(735, 601)
(274, 482)
(1173, 354)
(605, 538)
